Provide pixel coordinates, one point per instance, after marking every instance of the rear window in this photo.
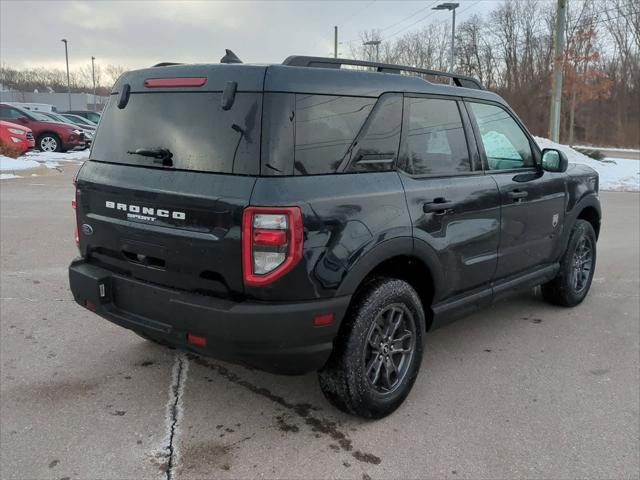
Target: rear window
(191, 125)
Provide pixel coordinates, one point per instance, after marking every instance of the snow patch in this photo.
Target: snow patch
(618, 174)
(72, 156)
(7, 176)
(12, 164)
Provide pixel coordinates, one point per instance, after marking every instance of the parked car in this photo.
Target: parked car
(50, 136)
(16, 136)
(34, 107)
(87, 130)
(304, 216)
(78, 120)
(88, 114)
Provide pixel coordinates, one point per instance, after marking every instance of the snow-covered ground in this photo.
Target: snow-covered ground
(620, 174)
(589, 147)
(14, 167)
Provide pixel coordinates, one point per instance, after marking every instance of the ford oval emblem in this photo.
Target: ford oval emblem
(87, 229)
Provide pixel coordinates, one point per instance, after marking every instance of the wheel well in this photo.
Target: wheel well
(590, 214)
(48, 133)
(413, 271)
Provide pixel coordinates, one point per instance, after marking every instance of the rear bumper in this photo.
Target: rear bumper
(279, 338)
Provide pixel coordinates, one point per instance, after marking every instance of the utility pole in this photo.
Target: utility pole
(335, 41)
(556, 94)
(377, 45)
(93, 76)
(452, 7)
(66, 56)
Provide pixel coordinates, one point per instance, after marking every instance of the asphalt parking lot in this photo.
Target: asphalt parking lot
(521, 390)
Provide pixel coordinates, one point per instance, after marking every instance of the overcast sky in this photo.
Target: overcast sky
(140, 33)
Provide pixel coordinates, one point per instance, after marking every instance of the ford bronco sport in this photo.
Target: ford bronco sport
(322, 214)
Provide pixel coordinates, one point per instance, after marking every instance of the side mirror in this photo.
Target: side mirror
(554, 160)
(22, 119)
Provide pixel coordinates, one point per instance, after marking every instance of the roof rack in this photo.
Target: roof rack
(327, 62)
(166, 64)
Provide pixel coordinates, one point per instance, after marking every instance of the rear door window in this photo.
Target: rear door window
(191, 125)
(435, 142)
(325, 127)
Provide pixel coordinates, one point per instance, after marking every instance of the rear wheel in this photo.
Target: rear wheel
(49, 142)
(573, 281)
(378, 352)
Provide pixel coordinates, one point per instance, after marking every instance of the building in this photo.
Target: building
(60, 100)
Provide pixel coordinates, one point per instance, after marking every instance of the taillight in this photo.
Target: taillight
(74, 205)
(271, 242)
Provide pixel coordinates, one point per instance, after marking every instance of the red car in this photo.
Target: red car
(51, 136)
(16, 136)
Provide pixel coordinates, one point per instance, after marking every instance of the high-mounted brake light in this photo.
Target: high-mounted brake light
(271, 243)
(175, 82)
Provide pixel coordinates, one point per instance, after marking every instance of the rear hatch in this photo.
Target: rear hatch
(171, 169)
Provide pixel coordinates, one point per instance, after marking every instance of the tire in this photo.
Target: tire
(344, 379)
(577, 266)
(49, 142)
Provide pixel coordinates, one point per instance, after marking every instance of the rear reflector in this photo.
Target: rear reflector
(89, 304)
(175, 82)
(196, 340)
(325, 319)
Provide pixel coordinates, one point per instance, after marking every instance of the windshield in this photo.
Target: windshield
(41, 117)
(191, 126)
(79, 120)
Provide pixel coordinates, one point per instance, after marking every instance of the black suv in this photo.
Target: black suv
(322, 214)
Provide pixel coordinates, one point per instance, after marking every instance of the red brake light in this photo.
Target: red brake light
(271, 243)
(175, 82)
(262, 236)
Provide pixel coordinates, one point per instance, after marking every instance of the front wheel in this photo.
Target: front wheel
(577, 266)
(378, 351)
(49, 142)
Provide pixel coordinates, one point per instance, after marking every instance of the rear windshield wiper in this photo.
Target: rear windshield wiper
(161, 155)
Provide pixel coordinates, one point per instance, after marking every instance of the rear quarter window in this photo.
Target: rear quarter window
(325, 127)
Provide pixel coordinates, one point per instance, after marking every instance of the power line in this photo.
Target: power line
(407, 18)
(353, 15)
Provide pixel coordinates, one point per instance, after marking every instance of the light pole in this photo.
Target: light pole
(377, 44)
(452, 7)
(66, 56)
(93, 76)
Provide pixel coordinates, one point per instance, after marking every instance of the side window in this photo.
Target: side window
(505, 144)
(436, 142)
(377, 144)
(325, 127)
(8, 112)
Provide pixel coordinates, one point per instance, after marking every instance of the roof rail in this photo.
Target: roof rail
(328, 62)
(166, 64)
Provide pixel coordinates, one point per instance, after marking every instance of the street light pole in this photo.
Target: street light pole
(377, 44)
(556, 95)
(93, 76)
(66, 56)
(452, 7)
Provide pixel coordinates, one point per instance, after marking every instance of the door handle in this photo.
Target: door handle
(439, 205)
(517, 194)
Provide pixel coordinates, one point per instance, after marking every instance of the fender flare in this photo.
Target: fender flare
(588, 200)
(399, 246)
